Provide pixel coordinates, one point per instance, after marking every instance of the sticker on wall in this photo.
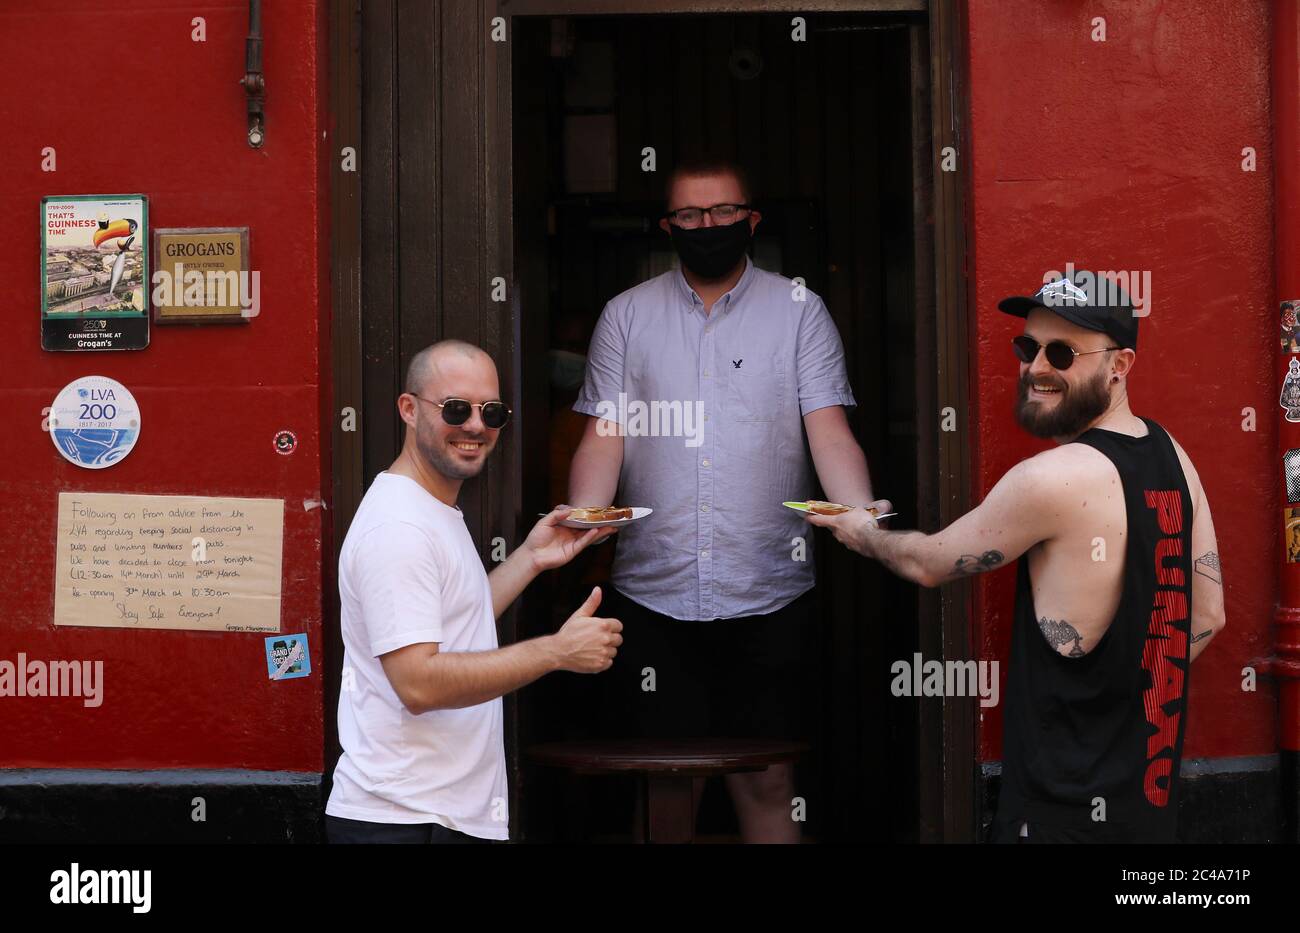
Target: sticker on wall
(1290, 327)
(285, 442)
(94, 422)
(287, 656)
(1290, 398)
(1291, 522)
(1291, 469)
(94, 272)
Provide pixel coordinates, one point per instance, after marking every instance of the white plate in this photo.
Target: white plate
(803, 507)
(637, 513)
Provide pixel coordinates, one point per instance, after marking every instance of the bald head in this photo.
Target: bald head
(425, 363)
(449, 369)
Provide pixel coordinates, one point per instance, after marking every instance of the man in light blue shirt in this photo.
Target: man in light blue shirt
(701, 386)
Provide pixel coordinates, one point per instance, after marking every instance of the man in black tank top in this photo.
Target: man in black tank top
(1118, 586)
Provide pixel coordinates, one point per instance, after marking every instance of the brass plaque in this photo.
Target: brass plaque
(201, 276)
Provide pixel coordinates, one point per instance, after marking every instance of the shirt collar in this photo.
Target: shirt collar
(689, 296)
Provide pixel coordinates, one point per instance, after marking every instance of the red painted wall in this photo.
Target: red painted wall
(1117, 154)
(1126, 154)
(131, 104)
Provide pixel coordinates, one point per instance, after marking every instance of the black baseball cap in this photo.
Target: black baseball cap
(1084, 298)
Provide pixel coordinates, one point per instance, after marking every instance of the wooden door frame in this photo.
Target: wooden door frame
(947, 763)
(347, 481)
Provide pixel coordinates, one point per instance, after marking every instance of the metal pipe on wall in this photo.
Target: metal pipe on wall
(253, 81)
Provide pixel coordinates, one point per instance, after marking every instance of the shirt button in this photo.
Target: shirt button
(706, 372)
(704, 553)
(704, 463)
(704, 508)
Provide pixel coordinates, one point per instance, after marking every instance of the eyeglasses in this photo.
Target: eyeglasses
(722, 214)
(456, 411)
(1059, 354)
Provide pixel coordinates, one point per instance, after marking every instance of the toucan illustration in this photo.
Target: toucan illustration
(119, 264)
(112, 230)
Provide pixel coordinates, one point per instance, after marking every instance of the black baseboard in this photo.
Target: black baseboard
(102, 806)
(1289, 795)
(1223, 800)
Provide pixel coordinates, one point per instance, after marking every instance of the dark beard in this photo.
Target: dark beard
(440, 459)
(1078, 407)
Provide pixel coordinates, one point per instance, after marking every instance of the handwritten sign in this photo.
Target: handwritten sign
(179, 562)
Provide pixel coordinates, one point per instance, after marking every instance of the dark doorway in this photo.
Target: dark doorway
(827, 129)
(459, 127)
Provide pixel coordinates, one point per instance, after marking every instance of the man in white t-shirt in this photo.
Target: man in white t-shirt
(420, 707)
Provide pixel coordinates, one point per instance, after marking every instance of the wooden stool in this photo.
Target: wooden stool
(666, 769)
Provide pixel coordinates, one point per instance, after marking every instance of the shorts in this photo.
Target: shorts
(340, 830)
(741, 678)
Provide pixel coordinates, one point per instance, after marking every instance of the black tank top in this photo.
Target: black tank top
(1110, 724)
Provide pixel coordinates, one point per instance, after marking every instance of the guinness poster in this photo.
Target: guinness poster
(94, 272)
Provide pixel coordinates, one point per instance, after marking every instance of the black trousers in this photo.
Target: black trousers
(339, 830)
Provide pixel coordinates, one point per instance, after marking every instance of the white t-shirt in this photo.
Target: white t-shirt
(409, 573)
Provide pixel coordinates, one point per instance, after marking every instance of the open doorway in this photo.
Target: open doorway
(828, 129)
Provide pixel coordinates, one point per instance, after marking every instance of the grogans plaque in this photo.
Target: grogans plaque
(202, 276)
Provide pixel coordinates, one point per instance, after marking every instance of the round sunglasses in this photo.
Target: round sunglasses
(456, 411)
(1059, 355)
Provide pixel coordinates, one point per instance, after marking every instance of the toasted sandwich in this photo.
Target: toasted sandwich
(606, 513)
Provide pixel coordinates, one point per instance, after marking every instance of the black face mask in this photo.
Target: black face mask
(711, 252)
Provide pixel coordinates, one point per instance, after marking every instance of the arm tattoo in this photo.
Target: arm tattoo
(1202, 636)
(1059, 632)
(969, 563)
(1207, 565)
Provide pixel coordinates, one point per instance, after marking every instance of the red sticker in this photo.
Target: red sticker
(286, 442)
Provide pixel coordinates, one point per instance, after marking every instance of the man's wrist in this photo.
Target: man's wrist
(524, 560)
(871, 538)
(548, 648)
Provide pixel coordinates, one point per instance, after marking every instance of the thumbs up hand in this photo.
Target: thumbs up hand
(587, 644)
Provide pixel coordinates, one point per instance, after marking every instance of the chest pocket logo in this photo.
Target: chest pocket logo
(755, 392)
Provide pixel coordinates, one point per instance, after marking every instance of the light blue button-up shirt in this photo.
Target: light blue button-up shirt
(712, 408)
